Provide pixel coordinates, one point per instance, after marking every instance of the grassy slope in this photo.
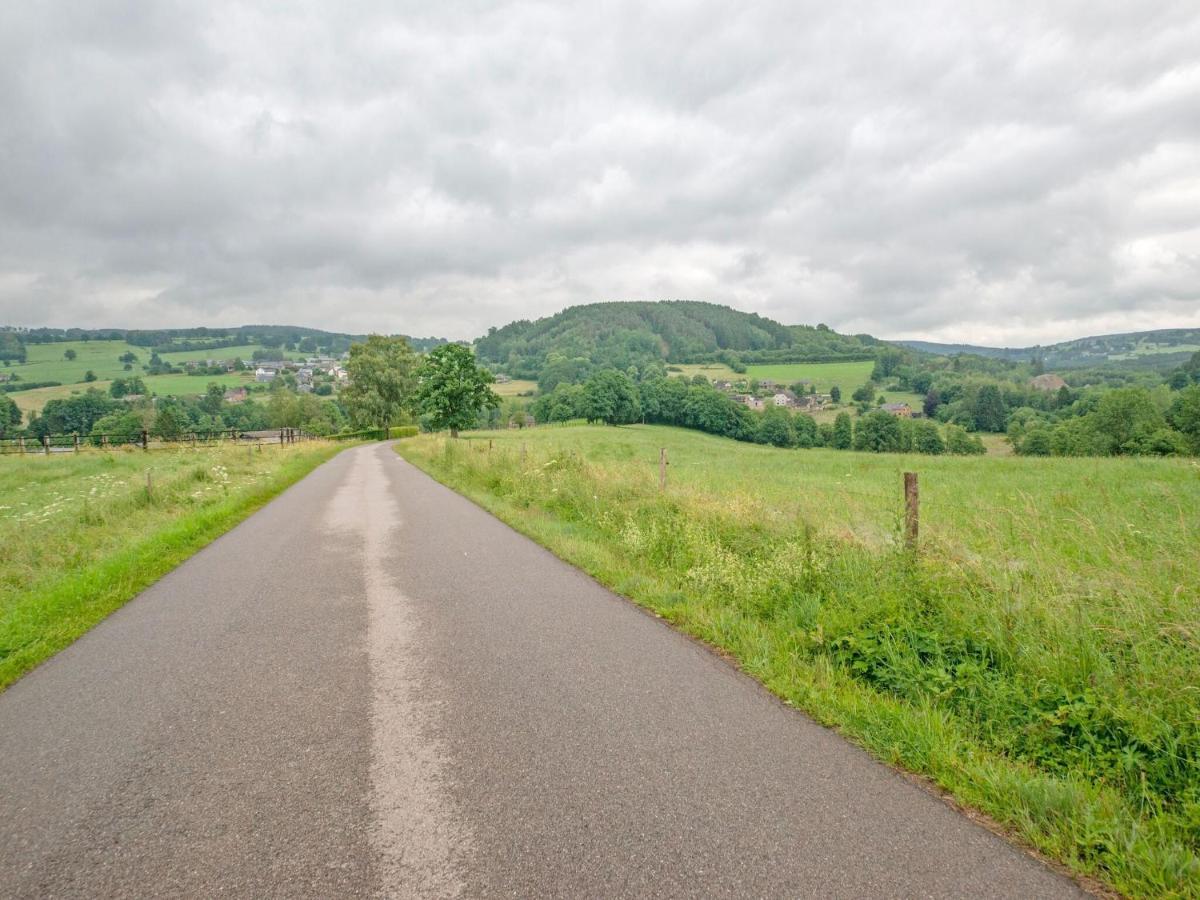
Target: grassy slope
(162, 385)
(1039, 660)
(80, 537)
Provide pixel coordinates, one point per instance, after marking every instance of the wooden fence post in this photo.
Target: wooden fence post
(21, 444)
(75, 438)
(145, 440)
(662, 468)
(912, 510)
(46, 444)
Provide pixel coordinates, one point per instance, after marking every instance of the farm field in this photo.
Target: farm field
(1035, 659)
(162, 385)
(242, 351)
(45, 362)
(849, 376)
(515, 388)
(81, 536)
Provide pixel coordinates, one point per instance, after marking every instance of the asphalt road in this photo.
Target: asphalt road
(373, 688)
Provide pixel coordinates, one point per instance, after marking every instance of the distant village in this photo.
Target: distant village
(801, 396)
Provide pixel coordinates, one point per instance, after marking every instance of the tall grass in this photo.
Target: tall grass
(1039, 658)
(80, 534)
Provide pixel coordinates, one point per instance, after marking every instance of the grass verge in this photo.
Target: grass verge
(1037, 660)
(80, 535)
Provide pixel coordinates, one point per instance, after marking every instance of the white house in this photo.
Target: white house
(262, 376)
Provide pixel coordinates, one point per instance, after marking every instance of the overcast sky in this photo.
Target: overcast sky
(992, 173)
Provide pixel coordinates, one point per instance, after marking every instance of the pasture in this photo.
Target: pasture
(1037, 657)
(162, 385)
(82, 535)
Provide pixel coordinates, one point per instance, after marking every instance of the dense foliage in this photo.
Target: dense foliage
(1087, 412)
(614, 398)
(569, 346)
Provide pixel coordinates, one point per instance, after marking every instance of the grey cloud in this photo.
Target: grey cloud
(1009, 172)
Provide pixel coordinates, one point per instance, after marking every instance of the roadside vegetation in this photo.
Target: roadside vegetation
(1037, 657)
(80, 534)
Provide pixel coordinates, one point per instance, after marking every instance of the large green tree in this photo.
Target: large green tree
(611, 397)
(878, 432)
(452, 389)
(382, 374)
(10, 415)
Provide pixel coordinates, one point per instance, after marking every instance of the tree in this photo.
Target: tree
(1037, 442)
(960, 443)
(382, 381)
(10, 415)
(776, 427)
(452, 389)
(167, 424)
(835, 394)
(1184, 415)
(926, 438)
(864, 394)
(213, 399)
(1121, 416)
(878, 432)
(89, 376)
(988, 409)
(843, 432)
(611, 397)
(70, 354)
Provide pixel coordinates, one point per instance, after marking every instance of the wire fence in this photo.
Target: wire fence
(145, 440)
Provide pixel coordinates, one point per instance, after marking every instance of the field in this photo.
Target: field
(515, 388)
(46, 362)
(80, 535)
(162, 385)
(1038, 658)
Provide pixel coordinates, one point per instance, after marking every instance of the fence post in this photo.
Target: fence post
(662, 468)
(46, 444)
(912, 510)
(145, 440)
(21, 444)
(75, 438)
(281, 436)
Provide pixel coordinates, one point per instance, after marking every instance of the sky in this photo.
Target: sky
(993, 173)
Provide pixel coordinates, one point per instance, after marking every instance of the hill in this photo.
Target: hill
(178, 340)
(1138, 349)
(650, 333)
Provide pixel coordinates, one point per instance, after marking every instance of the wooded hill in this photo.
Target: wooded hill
(620, 335)
(174, 340)
(1139, 349)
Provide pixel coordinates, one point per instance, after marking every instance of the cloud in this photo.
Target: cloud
(1009, 173)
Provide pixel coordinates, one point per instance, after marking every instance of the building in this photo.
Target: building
(899, 410)
(236, 395)
(264, 375)
(784, 398)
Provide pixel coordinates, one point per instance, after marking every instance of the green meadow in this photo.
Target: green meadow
(80, 535)
(162, 385)
(1038, 656)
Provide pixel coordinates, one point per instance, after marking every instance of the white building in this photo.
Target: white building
(262, 376)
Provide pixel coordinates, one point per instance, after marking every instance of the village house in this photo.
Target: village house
(784, 398)
(899, 410)
(236, 395)
(748, 400)
(263, 375)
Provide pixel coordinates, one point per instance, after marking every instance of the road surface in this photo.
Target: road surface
(373, 688)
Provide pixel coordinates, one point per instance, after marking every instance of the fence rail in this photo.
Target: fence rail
(145, 440)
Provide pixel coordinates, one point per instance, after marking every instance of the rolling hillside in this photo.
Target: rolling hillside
(642, 333)
(1151, 349)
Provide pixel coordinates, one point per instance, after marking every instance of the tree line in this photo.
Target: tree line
(616, 398)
